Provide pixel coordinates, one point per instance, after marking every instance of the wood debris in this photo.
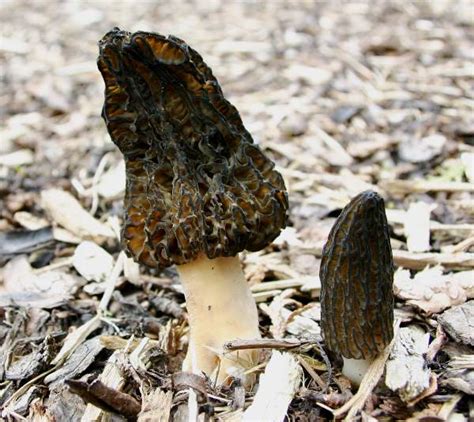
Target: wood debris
(406, 372)
(66, 211)
(458, 322)
(277, 387)
(417, 227)
(340, 109)
(156, 406)
(92, 262)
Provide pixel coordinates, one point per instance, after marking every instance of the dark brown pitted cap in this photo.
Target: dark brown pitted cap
(196, 183)
(356, 277)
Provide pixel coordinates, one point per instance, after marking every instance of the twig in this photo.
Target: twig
(106, 398)
(317, 379)
(397, 216)
(280, 284)
(95, 180)
(263, 343)
(448, 408)
(462, 246)
(330, 180)
(410, 186)
(418, 261)
(326, 360)
(109, 289)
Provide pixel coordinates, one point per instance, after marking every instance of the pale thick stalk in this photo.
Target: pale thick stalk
(355, 369)
(220, 308)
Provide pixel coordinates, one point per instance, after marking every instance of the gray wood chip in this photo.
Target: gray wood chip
(407, 373)
(458, 322)
(78, 362)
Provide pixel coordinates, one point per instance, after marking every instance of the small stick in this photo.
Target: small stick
(411, 186)
(112, 280)
(462, 246)
(311, 372)
(264, 343)
(280, 284)
(418, 261)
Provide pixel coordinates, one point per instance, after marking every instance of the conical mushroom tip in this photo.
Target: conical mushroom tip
(114, 33)
(356, 280)
(367, 201)
(196, 183)
(370, 195)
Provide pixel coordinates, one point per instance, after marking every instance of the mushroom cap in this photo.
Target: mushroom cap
(196, 183)
(356, 280)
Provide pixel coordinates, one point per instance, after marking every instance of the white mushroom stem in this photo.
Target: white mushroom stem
(355, 369)
(220, 308)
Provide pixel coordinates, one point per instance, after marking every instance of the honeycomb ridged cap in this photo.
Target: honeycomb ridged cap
(356, 280)
(196, 182)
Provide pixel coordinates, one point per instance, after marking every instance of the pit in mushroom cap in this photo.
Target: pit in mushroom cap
(356, 279)
(196, 183)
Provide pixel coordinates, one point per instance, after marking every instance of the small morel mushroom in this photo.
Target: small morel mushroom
(356, 279)
(198, 190)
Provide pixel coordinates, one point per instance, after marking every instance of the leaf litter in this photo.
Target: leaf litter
(343, 98)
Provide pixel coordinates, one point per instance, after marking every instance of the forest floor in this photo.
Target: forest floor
(344, 97)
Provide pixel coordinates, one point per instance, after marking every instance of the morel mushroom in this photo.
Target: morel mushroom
(198, 190)
(356, 279)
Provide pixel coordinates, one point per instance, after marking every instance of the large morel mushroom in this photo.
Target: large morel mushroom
(198, 190)
(356, 284)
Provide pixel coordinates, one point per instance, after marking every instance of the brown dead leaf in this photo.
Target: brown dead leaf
(106, 398)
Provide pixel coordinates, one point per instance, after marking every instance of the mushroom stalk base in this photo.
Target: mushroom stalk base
(355, 369)
(220, 308)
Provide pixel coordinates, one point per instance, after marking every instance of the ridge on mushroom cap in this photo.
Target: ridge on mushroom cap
(196, 183)
(356, 280)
